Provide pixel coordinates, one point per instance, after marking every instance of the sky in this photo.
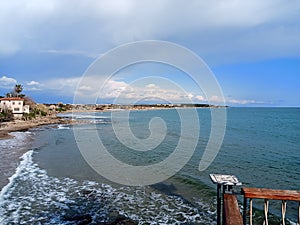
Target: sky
(252, 47)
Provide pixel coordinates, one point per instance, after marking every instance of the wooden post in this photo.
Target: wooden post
(223, 182)
(299, 213)
(218, 204)
(266, 209)
(283, 211)
(245, 211)
(223, 208)
(251, 212)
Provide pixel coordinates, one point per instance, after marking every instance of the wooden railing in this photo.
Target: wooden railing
(228, 212)
(269, 194)
(231, 210)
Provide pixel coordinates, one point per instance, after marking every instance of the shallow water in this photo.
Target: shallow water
(10, 151)
(34, 197)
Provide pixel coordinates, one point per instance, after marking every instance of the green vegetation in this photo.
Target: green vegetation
(6, 116)
(34, 114)
(63, 107)
(37, 111)
(60, 109)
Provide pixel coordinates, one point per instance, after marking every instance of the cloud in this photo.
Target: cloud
(33, 86)
(32, 83)
(151, 86)
(244, 101)
(232, 101)
(92, 89)
(73, 53)
(239, 30)
(62, 86)
(139, 91)
(199, 98)
(7, 82)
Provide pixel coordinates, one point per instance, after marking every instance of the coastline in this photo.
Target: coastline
(6, 128)
(21, 125)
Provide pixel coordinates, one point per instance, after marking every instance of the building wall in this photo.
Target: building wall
(15, 105)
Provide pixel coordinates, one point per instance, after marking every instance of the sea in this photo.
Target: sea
(45, 178)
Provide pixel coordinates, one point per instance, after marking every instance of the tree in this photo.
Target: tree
(8, 95)
(18, 89)
(6, 115)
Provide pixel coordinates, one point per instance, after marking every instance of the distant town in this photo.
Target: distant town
(15, 105)
(104, 107)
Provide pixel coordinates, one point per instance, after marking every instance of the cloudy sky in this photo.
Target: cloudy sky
(252, 47)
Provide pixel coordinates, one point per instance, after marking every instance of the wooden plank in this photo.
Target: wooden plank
(232, 211)
(264, 193)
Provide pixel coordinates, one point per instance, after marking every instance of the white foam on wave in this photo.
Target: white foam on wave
(17, 141)
(25, 160)
(63, 127)
(31, 196)
(84, 116)
(89, 117)
(9, 188)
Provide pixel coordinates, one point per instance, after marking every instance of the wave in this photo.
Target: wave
(17, 141)
(31, 196)
(63, 127)
(83, 116)
(89, 117)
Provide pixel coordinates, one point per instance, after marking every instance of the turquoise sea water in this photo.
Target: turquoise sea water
(53, 182)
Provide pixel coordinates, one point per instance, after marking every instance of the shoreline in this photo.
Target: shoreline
(24, 125)
(21, 125)
(6, 128)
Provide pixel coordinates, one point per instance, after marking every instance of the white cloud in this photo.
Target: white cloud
(93, 88)
(190, 95)
(199, 98)
(32, 83)
(244, 101)
(85, 88)
(151, 86)
(64, 86)
(130, 93)
(239, 30)
(73, 52)
(33, 86)
(232, 101)
(7, 82)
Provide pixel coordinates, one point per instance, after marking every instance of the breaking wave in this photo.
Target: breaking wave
(33, 197)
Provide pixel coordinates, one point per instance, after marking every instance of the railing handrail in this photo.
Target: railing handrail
(227, 200)
(231, 210)
(271, 194)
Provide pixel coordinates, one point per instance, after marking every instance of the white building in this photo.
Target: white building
(16, 105)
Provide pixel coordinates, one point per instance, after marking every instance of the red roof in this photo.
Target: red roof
(11, 99)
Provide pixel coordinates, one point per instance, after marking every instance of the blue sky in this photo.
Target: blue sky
(252, 47)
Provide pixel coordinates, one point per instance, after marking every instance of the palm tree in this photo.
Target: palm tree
(18, 89)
